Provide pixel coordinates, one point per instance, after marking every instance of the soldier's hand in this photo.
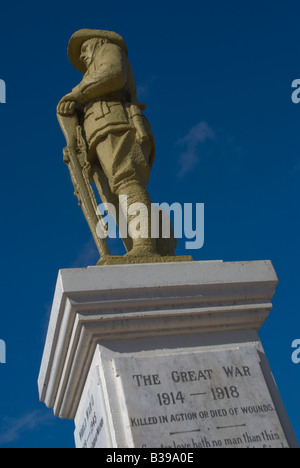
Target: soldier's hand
(66, 107)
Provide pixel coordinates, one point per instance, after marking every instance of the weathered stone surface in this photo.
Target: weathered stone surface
(139, 354)
(199, 399)
(110, 142)
(90, 432)
(93, 305)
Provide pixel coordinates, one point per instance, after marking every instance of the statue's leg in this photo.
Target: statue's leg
(106, 196)
(126, 166)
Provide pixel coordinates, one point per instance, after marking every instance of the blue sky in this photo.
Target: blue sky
(216, 77)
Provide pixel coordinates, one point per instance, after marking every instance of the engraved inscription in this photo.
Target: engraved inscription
(205, 399)
(89, 432)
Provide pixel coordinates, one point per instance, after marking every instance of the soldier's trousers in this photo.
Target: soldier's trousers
(125, 171)
(124, 161)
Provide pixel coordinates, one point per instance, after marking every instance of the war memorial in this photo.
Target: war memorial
(149, 349)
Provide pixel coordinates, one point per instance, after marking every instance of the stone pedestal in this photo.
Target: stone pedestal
(164, 355)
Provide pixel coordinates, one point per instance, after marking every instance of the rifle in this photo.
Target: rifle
(75, 156)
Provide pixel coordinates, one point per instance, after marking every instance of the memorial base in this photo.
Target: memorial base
(128, 260)
(164, 356)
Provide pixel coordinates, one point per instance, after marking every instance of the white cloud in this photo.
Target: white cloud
(189, 158)
(12, 428)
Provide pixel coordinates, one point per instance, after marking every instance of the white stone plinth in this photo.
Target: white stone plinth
(164, 355)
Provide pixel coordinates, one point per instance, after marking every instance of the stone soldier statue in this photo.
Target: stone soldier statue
(120, 147)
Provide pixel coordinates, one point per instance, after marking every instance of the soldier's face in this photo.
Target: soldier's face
(87, 52)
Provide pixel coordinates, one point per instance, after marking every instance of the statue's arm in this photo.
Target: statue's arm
(110, 76)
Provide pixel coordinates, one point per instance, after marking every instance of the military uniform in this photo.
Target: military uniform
(115, 129)
(118, 134)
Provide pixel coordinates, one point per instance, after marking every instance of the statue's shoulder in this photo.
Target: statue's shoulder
(112, 51)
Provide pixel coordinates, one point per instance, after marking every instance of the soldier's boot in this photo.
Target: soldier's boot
(143, 248)
(137, 206)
